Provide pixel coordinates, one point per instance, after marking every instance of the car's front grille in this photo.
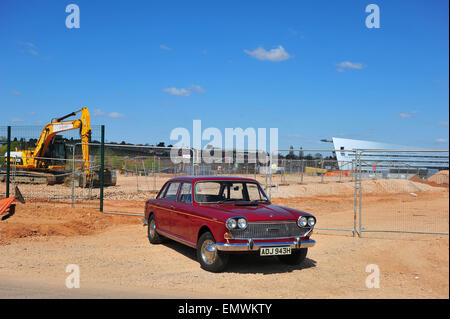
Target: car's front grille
(270, 230)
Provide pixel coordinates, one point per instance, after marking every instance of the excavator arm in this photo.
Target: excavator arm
(58, 126)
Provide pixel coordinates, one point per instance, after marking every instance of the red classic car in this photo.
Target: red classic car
(223, 215)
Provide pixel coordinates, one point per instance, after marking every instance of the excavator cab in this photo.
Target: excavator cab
(56, 153)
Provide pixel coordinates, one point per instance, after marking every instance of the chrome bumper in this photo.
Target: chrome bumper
(252, 246)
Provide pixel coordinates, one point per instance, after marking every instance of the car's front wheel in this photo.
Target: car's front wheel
(208, 256)
(153, 235)
(297, 257)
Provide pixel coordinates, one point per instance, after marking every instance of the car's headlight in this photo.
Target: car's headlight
(231, 223)
(302, 221)
(242, 223)
(311, 221)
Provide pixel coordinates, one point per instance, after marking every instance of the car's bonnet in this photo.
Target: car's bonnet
(257, 212)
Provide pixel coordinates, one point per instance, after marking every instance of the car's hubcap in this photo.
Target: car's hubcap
(209, 251)
(152, 228)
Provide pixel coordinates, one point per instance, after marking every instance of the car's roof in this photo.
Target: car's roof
(211, 178)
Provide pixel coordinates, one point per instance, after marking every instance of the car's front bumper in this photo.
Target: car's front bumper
(254, 246)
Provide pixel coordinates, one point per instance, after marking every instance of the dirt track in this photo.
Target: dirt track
(115, 257)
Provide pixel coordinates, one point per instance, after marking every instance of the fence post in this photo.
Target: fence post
(73, 175)
(102, 165)
(8, 160)
(302, 169)
(355, 202)
(359, 176)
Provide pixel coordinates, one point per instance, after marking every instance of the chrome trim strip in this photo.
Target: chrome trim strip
(256, 246)
(271, 238)
(276, 244)
(176, 238)
(275, 222)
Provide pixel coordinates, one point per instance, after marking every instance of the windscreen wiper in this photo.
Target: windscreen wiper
(225, 200)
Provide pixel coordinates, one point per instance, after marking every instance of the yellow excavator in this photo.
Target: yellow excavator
(45, 163)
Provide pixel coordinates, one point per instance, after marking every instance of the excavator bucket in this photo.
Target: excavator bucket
(81, 180)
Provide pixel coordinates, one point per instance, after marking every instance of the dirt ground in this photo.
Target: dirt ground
(141, 187)
(116, 259)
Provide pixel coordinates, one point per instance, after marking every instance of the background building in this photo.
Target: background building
(390, 160)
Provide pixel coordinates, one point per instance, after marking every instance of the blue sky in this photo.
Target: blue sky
(144, 68)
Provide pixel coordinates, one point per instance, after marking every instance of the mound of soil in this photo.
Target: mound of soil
(43, 219)
(440, 178)
(435, 180)
(379, 186)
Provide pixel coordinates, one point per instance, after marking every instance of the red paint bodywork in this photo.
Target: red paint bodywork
(187, 221)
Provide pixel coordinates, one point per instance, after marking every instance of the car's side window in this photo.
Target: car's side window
(236, 191)
(208, 192)
(171, 192)
(186, 193)
(163, 191)
(253, 192)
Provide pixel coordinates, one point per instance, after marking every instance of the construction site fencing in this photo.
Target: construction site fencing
(369, 190)
(415, 187)
(301, 176)
(65, 159)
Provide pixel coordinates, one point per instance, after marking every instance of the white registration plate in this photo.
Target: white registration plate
(275, 251)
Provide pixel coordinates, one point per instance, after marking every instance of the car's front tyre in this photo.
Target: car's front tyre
(208, 256)
(153, 235)
(296, 258)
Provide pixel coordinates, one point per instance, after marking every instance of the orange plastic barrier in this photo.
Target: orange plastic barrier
(5, 204)
(337, 173)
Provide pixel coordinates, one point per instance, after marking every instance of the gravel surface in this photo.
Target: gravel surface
(116, 259)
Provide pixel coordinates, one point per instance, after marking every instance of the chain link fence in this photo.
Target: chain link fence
(48, 176)
(403, 191)
(367, 191)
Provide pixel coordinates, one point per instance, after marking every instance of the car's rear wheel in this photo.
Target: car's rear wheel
(153, 235)
(208, 256)
(297, 257)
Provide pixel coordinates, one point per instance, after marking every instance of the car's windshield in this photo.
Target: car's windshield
(228, 191)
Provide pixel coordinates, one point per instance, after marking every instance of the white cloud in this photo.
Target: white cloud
(349, 65)
(184, 91)
(164, 47)
(406, 115)
(274, 55)
(17, 120)
(443, 123)
(177, 92)
(198, 88)
(113, 115)
(441, 140)
(29, 47)
(16, 93)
